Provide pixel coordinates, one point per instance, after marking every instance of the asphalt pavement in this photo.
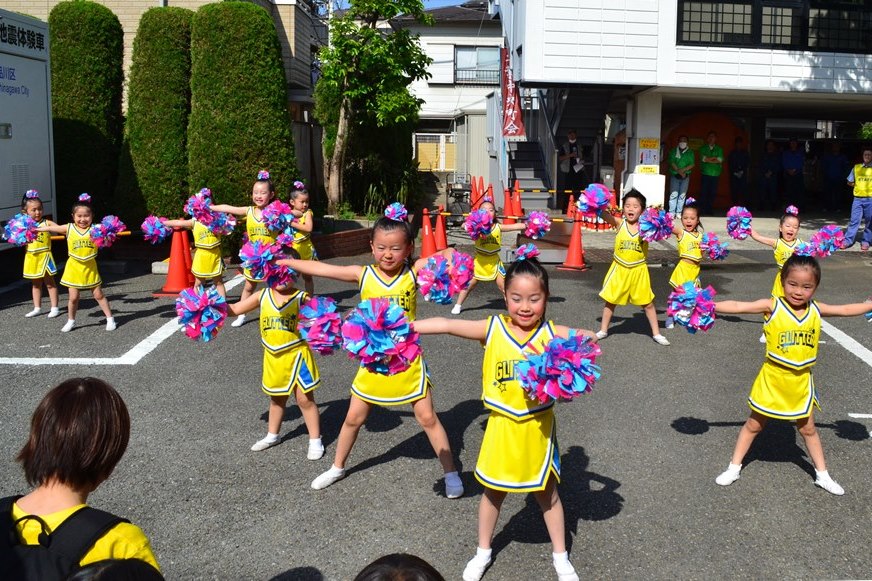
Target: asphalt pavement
(639, 454)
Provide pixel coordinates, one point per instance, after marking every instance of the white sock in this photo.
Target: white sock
(335, 470)
(315, 440)
(483, 555)
(734, 467)
(68, 325)
(54, 311)
(561, 557)
(823, 473)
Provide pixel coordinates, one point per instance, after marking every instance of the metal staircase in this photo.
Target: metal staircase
(527, 166)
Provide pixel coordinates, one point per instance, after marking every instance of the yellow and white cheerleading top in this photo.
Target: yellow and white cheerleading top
(519, 451)
(38, 261)
(303, 240)
(784, 388)
(782, 251)
(412, 384)
(207, 261)
(687, 270)
(628, 280)
(256, 229)
(81, 269)
(287, 359)
(630, 249)
(487, 263)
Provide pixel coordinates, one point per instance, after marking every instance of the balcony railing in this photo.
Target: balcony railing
(476, 77)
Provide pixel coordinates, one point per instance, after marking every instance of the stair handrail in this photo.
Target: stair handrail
(547, 142)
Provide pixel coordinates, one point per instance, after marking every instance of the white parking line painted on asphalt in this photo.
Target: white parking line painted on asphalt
(132, 357)
(861, 416)
(848, 343)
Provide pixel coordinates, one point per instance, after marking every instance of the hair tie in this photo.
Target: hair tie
(262, 175)
(688, 201)
(396, 212)
(85, 198)
(298, 185)
(206, 193)
(792, 210)
(526, 252)
(31, 195)
(487, 199)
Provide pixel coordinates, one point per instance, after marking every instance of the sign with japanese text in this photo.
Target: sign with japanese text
(513, 123)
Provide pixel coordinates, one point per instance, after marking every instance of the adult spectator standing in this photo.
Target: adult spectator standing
(739, 162)
(770, 169)
(835, 165)
(793, 163)
(681, 162)
(861, 179)
(712, 157)
(572, 167)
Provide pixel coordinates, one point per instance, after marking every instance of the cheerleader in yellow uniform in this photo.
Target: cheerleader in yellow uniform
(627, 280)
(288, 364)
(262, 193)
(519, 452)
(689, 251)
(207, 265)
(81, 271)
(39, 264)
(303, 225)
(784, 388)
(488, 265)
(393, 278)
(783, 246)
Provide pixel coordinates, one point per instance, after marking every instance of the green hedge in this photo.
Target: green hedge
(86, 75)
(153, 176)
(239, 119)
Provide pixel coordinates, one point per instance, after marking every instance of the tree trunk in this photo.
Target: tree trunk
(336, 161)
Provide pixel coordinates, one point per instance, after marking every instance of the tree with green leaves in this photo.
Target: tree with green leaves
(365, 76)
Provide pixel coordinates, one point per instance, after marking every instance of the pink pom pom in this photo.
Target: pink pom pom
(434, 280)
(202, 311)
(538, 223)
(716, 250)
(655, 224)
(154, 229)
(566, 370)
(199, 206)
(479, 224)
(739, 222)
(594, 198)
(378, 334)
(320, 325)
(106, 232)
(20, 230)
(462, 271)
(692, 307)
(396, 212)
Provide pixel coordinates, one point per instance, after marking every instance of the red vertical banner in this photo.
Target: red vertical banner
(513, 124)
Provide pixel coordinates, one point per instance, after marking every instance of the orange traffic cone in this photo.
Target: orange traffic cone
(518, 209)
(179, 276)
(571, 208)
(508, 208)
(575, 252)
(489, 195)
(440, 236)
(428, 243)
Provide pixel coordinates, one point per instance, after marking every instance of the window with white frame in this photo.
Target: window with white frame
(477, 65)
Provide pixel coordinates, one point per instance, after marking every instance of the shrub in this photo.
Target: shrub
(153, 176)
(239, 120)
(86, 42)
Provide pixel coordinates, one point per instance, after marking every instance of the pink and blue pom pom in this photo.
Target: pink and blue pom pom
(792, 210)
(434, 280)
(154, 229)
(805, 249)
(462, 271)
(479, 224)
(827, 240)
(221, 224)
(538, 223)
(716, 249)
(106, 232)
(85, 198)
(526, 251)
(594, 198)
(256, 257)
(378, 334)
(20, 230)
(262, 175)
(278, 217)
(566, 370)
(279, 274)
(202, 311)
(738, 222)
(692, 307)
(396, 212)
(199, 206)
(320, 324)
(655, 225)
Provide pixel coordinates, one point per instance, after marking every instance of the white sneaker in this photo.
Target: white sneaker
(730, 475)
(240, 320)
(661, 340)
(33, 313)
(453, 485)
(475, 568)
(332, 476)
(110, 324)
(602, 334)
(763, 338)
(316, 450)
(670, 323)
(565, 571)
(825, 481)
(54, 312)
(455, 310)
(268, 442)
(68, 326)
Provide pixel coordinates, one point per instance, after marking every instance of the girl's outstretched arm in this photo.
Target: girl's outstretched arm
(228, 209)
(763, 239)
(608, 218)
(848, 310)
(475, 330)
(188, 224)
(513, 227)
(351, 273)
(244, 306)
(562, 331)
(303, 226)
(760, 307)
(53, 228)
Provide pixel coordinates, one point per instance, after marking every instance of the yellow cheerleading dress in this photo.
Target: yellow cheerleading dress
(487, 256)
(784, 388)
(783, 250)
(689, 257)
(627, 280)
(38, 261)
(303, 240)
(287, 360)
(81, 269)
(207, 263)
(519, 450)
(257, 230)
(411, 384)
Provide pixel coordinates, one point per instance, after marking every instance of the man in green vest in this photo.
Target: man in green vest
(712, 157)
(681, 161)
(861, 180)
